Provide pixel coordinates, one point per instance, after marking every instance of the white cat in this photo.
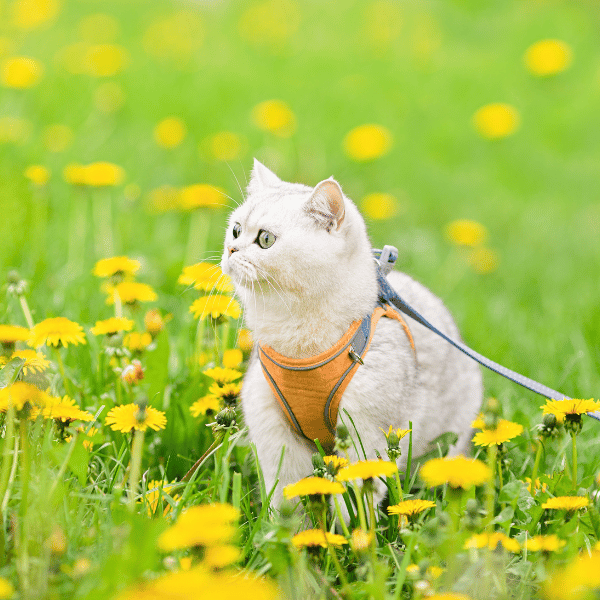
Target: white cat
(303, 269)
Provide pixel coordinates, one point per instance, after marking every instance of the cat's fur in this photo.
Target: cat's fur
(301, 295)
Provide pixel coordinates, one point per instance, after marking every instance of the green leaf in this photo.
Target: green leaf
(10, 371)
(506, 515)
(157, 369)
(511, 491)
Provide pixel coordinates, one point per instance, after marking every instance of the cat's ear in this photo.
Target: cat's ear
(262, 178)
(326, 204)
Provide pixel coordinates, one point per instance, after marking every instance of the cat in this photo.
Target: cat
(302, 267)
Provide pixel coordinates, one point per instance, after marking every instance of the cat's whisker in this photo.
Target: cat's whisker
(272, 285)
(236, 180)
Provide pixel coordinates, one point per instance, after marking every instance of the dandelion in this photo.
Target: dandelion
(483, 260)
(137, 342)
(201, 195)
(133, 372)
(313, 538)
(410, 508)
(544, 543)
(458, 472)
(221, 556)
(20, 394)
(6, 588)
(570, 409)
(504, 431)
(204, 525)
(310, 486)
(492, 540)
(361, 540)
(465, 232)
(10, 334)
(170, 132)
(245, 341)
(228, 393)
(105, 60)
(207, 404)
(131, 292)
(222, 375)
(37, 174)
(226, 145)
(103, 174)
(548, 57)
(206, 276)
(57, 331)
(117, 266)
(495, 121)
(275, 116)
(232, 358)
(112, 326)
(215, 306)
(20, 72)
(65, 410)
(367, 469)
(578, 580)
(568, 503)
(367, 142)
(35, 362)
(157, 490)
(127, 417)
(31, 14)
(379, 206)
(74, 174)
(335, 463)
(153, 322)
(175, 37)
(270, 23)
(538, 486)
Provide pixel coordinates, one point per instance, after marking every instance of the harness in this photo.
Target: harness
(309, 390)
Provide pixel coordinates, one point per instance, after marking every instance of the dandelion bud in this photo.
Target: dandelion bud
(140, 414)
(318, 462)
(360, 540)
(342, 438)
(57, 542)
(549, 421)
(12, 277)
(153, 322)
(472, 507)
(133, 372)
(226, 418)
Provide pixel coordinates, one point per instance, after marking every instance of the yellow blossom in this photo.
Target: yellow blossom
(228, 393)
(538, 486)
(57, 137)
(131, 292)
(112, 326)
(63, 409)
(367, 469)
(105, 60)
(9, 334)
(32, 14)
(579, 580)
(154, 322)
(270, 23)
(222, 375)
(206, 276)
(175, 36)
(458, 472)
(205, 405)
(275, 116)
(127, 417)
(35, 362)
(201, 195)
(215, 306)
(399, 432)
(202, 525)
(465, 232)
(497, 120)
(226, 145)
(317, 537)
(410, 508)
(548, 57)
(37, 174)
(102, 174)
(137, 342)
(156, 491)
(74, 174)
(336, 462)
(568, 503)
(565, 408)
(232, 358)
(170, 132)
(544, 543)
(19, 394)
(57, 331)
(504, 431)
(367, 142)
(491, 541)
(245, 341)
(221, 555)
(6, 588)
(20, 72)
(379, 206)
(310, 486)
(483, 260)
(361, 540)
(117, 265)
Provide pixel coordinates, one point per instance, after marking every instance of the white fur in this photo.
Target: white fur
(301, 295)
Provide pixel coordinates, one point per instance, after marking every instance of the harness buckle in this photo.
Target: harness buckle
(386, 258)
(354, 356)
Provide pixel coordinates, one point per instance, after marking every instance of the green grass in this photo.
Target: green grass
(534, 191)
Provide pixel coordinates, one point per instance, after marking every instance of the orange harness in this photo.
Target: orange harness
(309, 390)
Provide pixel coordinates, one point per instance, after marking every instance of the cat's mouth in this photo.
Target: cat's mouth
(242, 272)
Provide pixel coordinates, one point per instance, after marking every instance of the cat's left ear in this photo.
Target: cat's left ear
(262, 178)
(326, 204)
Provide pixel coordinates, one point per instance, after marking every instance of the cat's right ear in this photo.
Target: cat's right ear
(261, 178)
(326, 205)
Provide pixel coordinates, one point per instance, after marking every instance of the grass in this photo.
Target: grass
(419, 69)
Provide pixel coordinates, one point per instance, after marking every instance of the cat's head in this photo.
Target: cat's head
(291, 238)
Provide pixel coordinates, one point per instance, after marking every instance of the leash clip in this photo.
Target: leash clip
(386, 258)
(354, 356)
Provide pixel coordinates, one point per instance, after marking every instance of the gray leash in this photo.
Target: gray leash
(385, 260)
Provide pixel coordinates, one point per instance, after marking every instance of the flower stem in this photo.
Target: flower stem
(198, 236)
(137, 448)
(199, 341)
(26, 311)
(332, 553)
(399, 486)
(360, 507)
(574, 439)
(8, 453)
(536, 466)
(340, 517)
(66, 382)
(490, 485)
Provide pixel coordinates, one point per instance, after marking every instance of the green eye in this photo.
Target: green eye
(237, 229)
(265, 239)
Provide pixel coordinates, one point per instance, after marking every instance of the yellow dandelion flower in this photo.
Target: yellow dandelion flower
(399, 432)
(483, 260)
(275, 116)
(131, 292)
(505, 431)
(226, 145)
(336, 462)
(431, 573)
(170, 132)
(568, 503)
(136, 341)
(310, 486)
(367, 469)
(538, 485)
(492, 540)
(31, 14)
(232, 358)
(548, 57)
(112, 326)
(102, 174)
(204, 525)
(317, 537)
(367, 142)
(57, 331)
(117, 265)
(579, 580)
(465, 232)
(6, 588)
(34, 361)
(458, 472)
(221, 556)
(216, 306)
(206, 276)
(10, 334)
(228, 393)
(497, 120)
(222, 375)
(174, 37)
(156, 491)
(105, 60)
(569, 408)
(379, 206)
(361, 540)
(19, 394)
(74, 174)
(203, 406)
(544, 543)
(449, 596)
(270, 23)
(37, 174)
(201, 195)
(20, 72)
(410, 508)
(63, 409)
(127, 417)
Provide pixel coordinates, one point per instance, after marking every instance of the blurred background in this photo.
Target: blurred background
(467, 132)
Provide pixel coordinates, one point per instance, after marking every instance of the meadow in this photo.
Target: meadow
(467, 134)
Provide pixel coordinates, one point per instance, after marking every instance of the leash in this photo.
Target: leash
(385, 260)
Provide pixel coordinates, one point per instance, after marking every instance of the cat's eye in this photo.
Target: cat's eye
(265, 239)
(237, 229)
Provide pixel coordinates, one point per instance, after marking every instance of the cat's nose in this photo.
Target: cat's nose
(232, 249)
